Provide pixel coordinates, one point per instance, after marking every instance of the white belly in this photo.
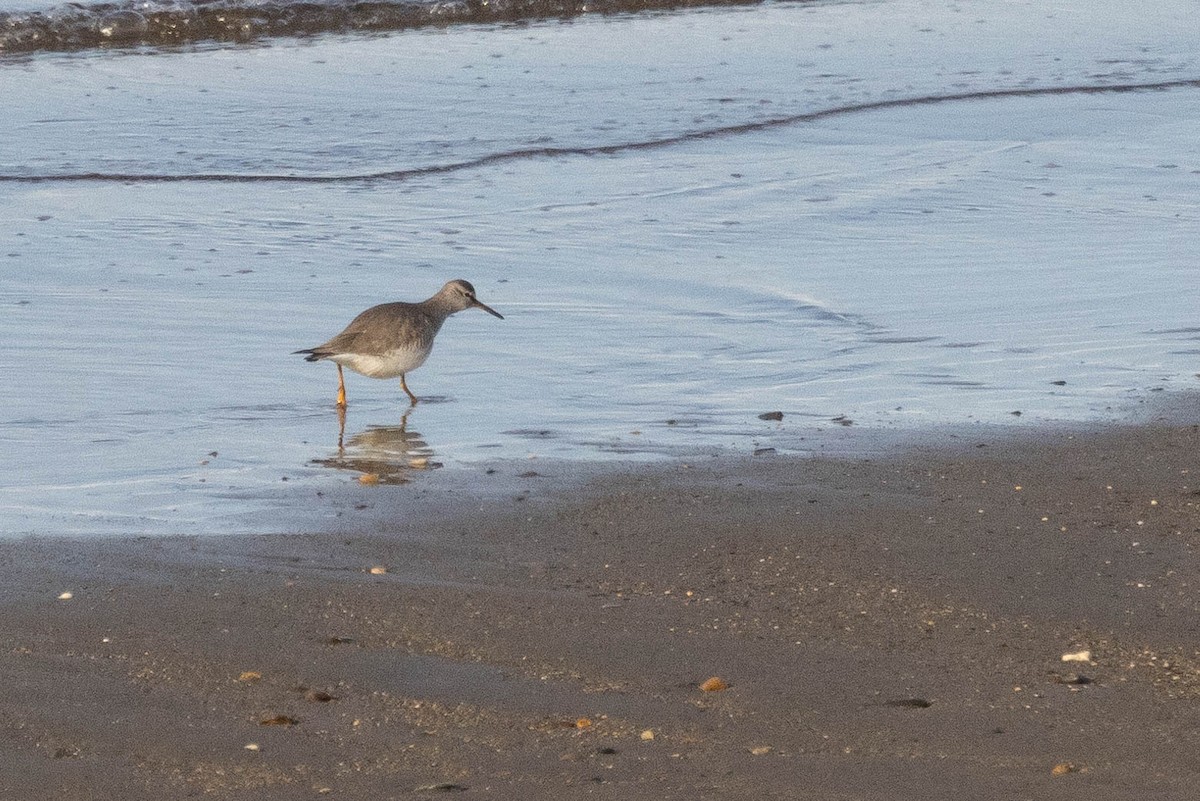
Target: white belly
(391, 364)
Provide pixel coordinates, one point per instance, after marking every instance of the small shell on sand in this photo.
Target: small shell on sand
(1078, 656)
(252, 747)
(648, 734)
(278, 720)
(714, 685)
(250, 676)
(377, 570)
(1063, 768)
(66, 596)
(368, 478)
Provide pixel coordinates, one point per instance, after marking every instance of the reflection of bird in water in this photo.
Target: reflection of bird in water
(382, 454)
(392, 339)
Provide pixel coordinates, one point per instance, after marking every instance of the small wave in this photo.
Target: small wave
(158, 23)
(603, 150)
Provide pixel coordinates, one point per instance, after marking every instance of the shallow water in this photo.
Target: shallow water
(687, 219)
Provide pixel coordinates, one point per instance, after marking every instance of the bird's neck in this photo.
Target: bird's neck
(440, 306)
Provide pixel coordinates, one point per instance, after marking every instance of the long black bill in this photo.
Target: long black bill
(475, 304)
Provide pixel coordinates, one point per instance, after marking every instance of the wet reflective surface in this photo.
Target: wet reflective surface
(381, 454)
(897, 214)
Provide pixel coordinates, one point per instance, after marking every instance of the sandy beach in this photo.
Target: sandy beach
(949, 245)
(889, 628)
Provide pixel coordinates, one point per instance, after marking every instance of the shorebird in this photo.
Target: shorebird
(393, 339)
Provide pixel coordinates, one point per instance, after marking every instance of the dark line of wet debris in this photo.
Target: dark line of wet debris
(165, 23)
(601, 150)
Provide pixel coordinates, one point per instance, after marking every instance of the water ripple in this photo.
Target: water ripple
(524, 154)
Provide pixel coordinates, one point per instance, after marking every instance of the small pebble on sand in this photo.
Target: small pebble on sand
(648, 734)
(1077, 656)
(909, 703)
(1071, 678)
(378, 570)
(66, 596)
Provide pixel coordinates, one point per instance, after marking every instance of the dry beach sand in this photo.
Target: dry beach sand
(888, 628)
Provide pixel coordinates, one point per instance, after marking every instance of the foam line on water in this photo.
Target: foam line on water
(523, 154)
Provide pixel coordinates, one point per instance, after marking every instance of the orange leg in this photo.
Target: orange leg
(341, 389)
(408, 391)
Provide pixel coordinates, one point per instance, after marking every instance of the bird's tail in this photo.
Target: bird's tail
(313, 355)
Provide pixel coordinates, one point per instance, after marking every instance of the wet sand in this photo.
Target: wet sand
(888, 629)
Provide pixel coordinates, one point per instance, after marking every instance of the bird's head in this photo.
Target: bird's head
(460, 295)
